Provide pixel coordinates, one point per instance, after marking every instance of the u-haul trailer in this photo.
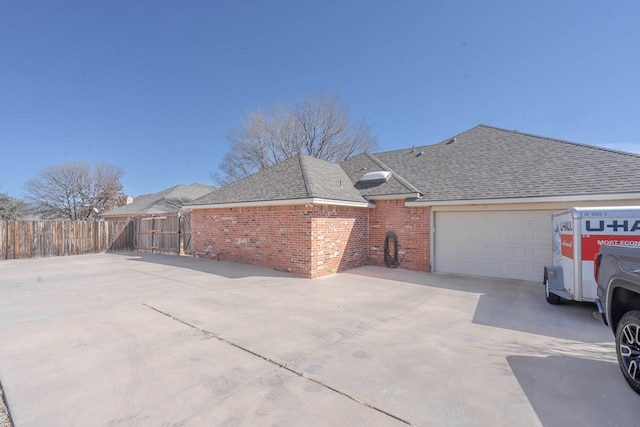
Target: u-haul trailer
(578, 234)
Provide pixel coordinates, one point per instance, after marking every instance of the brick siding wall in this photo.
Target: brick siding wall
(410, 224)
(340, 239)
(309, 241)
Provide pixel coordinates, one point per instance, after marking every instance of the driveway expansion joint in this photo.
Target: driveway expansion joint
(278, 364)
(361, 332)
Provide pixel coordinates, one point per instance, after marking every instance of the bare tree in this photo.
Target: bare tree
(317, 125)
(11, 208)
(75, 190)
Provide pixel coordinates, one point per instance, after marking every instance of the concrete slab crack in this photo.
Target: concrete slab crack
(362, 331)
(279, 365)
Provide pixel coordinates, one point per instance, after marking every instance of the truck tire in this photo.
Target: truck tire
(551, 298)
(628, 348)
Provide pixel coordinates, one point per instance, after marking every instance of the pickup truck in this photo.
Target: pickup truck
(617, 273)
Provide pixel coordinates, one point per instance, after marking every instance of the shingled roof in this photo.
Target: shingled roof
(396, 185)
(483, 163)
(491, 163)
(298, 178)
(166, 201)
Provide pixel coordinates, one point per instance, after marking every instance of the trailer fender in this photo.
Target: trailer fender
(554, 278)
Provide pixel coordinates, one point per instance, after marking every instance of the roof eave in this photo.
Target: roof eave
(567, 198)
(284, 202)
(393, 196)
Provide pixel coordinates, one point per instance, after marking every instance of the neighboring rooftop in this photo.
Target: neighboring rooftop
(166, 201)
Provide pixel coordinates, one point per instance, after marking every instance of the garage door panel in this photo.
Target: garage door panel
(469, 265)
(487, 236)
(491, 251)
(473, 235)
(488, 267)
(517, 270)
(448, 254)
(516, 235)
(541, 254)
(470, 251)
(541, 236)
(517, 252)
(514, 244)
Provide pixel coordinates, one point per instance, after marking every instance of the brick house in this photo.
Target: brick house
(479, 203)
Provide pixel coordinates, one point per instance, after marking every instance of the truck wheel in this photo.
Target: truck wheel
(628, 348)
(551, 298)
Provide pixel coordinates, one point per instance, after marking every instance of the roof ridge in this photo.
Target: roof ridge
(481, 125)
(246, 177)
(596, 147)
(163, 194)
(305, 175)
(399, 177)
(377, 161)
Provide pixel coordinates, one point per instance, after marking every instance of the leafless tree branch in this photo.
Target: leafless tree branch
(317, 125)
(75, 190)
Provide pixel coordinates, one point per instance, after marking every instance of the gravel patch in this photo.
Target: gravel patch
(5, 420)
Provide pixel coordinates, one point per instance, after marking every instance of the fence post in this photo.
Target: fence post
(180, 234)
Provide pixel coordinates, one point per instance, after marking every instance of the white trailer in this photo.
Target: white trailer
(578, 234)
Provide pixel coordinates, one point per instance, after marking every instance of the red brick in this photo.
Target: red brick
(312, 240)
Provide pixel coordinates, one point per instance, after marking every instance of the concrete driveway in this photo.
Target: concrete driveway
(153, 340)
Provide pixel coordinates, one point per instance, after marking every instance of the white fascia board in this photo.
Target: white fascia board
(340, 203)
(286, 202)
(402, 196)
(550, 199)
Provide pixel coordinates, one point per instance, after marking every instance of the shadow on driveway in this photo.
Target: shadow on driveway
(557, 386)
(509, 304)
(226, 269)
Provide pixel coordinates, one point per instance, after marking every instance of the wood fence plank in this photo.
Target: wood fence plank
(35, 239)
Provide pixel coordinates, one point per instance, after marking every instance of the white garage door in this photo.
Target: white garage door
(506, 244)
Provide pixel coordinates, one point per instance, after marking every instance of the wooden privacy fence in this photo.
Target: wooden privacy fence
(168, 234)
(34, 239)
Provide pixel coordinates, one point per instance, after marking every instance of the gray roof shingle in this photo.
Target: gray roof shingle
(482, 163)
(165, 201)
(491, 163)
(358, 166)
(299, 177)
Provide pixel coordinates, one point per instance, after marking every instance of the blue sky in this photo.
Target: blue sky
(156, 86)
